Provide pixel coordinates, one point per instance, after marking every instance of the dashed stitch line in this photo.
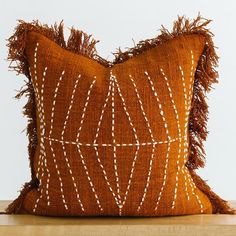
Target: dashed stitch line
(103, 110)
(39, 112)
(105, 176)
(42, 135)
(131, 175)
(164, 178)
(191, 84)
(187, 106)
(191, 76)
(193, 187)
(89, 179)
(142, 108)
(148, 179)
(125, 109)
(54, 103)
(85, 108)
(42, 154)
(185, 100)
(159, 105)
(136, 139)
(117, 144)
(179, 134)
(153, 147)
(180, 144)
(63, 146)
(35, 86)
(50, 141)
(78, 146)
(70, 106)
(113, 135)
(43, 164)
(96, 147)
(37, 201)
(186, 187)
(187, 109)
(185, 126)
(149, 130)
(185, 183)
(47, 184)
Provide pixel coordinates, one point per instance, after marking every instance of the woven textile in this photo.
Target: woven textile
(113, 138)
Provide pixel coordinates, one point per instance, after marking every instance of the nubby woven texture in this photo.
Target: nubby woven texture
(116, 138)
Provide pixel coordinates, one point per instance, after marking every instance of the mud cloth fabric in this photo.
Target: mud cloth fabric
(120, 138)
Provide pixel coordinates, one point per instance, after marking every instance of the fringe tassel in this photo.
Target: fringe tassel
(81, 43)
(29, 111)
(16, 207)
(219, 205)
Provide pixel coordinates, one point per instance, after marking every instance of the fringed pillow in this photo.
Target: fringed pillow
(116, 138)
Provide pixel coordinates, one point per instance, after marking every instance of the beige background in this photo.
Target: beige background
(116, 23)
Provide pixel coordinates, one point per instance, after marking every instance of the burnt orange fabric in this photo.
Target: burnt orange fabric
(114, 141)
(118, 138)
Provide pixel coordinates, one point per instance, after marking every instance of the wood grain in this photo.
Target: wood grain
(194, 225)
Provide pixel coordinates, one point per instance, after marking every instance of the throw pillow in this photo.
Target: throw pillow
(120, 138)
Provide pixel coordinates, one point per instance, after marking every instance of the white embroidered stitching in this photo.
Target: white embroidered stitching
(102, 113)
(63, 146)
(191, 76)
(42, 137)
(142, 109)
(117, 144)
(50, 141)
(185, 125)
(148, 125)
(39, 112)
(153, 147)
(38, 102)
(78, 146)
(159, 105)
(125, 109)
(187, 106)
(47, 184)
(113, 136)
(179, 134)
(179, 151)
(42, 161)
(193, 187)
(131, 176)
(165, 176)
(105, 176)
(96, 147)
(148, 179)
(135, 136)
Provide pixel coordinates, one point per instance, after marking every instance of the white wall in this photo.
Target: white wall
(116, 23)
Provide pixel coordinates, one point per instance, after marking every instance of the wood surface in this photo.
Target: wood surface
(194, 225)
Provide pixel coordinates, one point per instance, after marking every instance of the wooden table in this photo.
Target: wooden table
(195, 225)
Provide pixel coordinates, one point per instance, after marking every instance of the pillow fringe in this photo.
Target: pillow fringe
(30, 112)
(16, 207)
(218, 205)
(81, 43)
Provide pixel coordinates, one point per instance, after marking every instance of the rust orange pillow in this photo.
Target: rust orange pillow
(116, 138)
